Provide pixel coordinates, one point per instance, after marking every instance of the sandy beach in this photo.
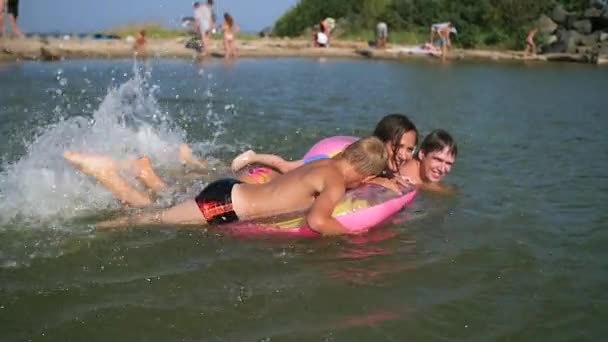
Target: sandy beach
(58, 49)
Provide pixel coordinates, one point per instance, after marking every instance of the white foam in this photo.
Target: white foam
(128, 123)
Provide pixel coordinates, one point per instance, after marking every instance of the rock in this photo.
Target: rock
(365, 53)
(590, 40)
(266, 32)
(557, 47)
(559, 15)
(571, 39)
(603, 50)
(49, 54)
(585, 50)
(603, 36)
(598, 4)
(566, 57)
(592, 13)
(551, 39)
(582, 26)
(546, 25)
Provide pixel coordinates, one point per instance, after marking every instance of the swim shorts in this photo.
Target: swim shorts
(13, 8)
(215, 202)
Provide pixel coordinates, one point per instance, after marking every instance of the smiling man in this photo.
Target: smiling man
(433, 161)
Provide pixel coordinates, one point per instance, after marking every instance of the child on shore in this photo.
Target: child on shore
(141, 43)
(315, 187)
(530, 44)
(230, 29)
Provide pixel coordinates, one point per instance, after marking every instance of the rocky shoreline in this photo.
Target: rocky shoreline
(584, 34)
(38, 49)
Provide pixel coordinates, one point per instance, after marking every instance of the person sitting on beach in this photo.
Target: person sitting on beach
(320, 38)
(141, 43)
(329, 24)
(316, 188)
(432, 163)
(230, 29)
(381, 35)
(530, 44)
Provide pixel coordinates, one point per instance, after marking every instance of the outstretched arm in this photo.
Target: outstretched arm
(320, 217)
(274, 161)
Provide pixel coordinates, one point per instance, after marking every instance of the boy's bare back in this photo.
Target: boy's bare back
(294, 191)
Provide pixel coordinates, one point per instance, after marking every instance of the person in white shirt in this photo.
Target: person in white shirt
(203, 22)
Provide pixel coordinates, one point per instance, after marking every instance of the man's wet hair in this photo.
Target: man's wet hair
(438, 140)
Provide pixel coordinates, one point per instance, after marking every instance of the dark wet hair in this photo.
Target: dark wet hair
(391, 129)
(210, 2)
(228, 19)
(321, 27)
(196, 4)
(437, 140)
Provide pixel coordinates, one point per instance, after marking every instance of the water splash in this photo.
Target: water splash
(41, 186)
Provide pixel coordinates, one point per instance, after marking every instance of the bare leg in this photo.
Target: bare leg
(205, 42)
(186, 157)
(232, 48)
(250, 157)
(104, 169)
(3, 32)
(16, 31)
(186, 213)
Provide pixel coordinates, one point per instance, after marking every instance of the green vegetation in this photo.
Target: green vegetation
(153, 30)
(497, 23)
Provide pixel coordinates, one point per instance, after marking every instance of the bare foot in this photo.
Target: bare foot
(105, 170)
(141, 167)
(142, 170)
(186, 157)
(242, 160)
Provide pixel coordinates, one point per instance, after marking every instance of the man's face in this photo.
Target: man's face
(434, 166)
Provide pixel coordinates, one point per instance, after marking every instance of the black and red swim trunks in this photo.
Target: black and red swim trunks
(215, 202)
(13, 8)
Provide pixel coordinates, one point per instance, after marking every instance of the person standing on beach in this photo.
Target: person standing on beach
(141, 43)
(13, 13)
(203, 16)
(381, 35)
(530, 44)
(443, 31)
(2, 5)
(230, 29)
